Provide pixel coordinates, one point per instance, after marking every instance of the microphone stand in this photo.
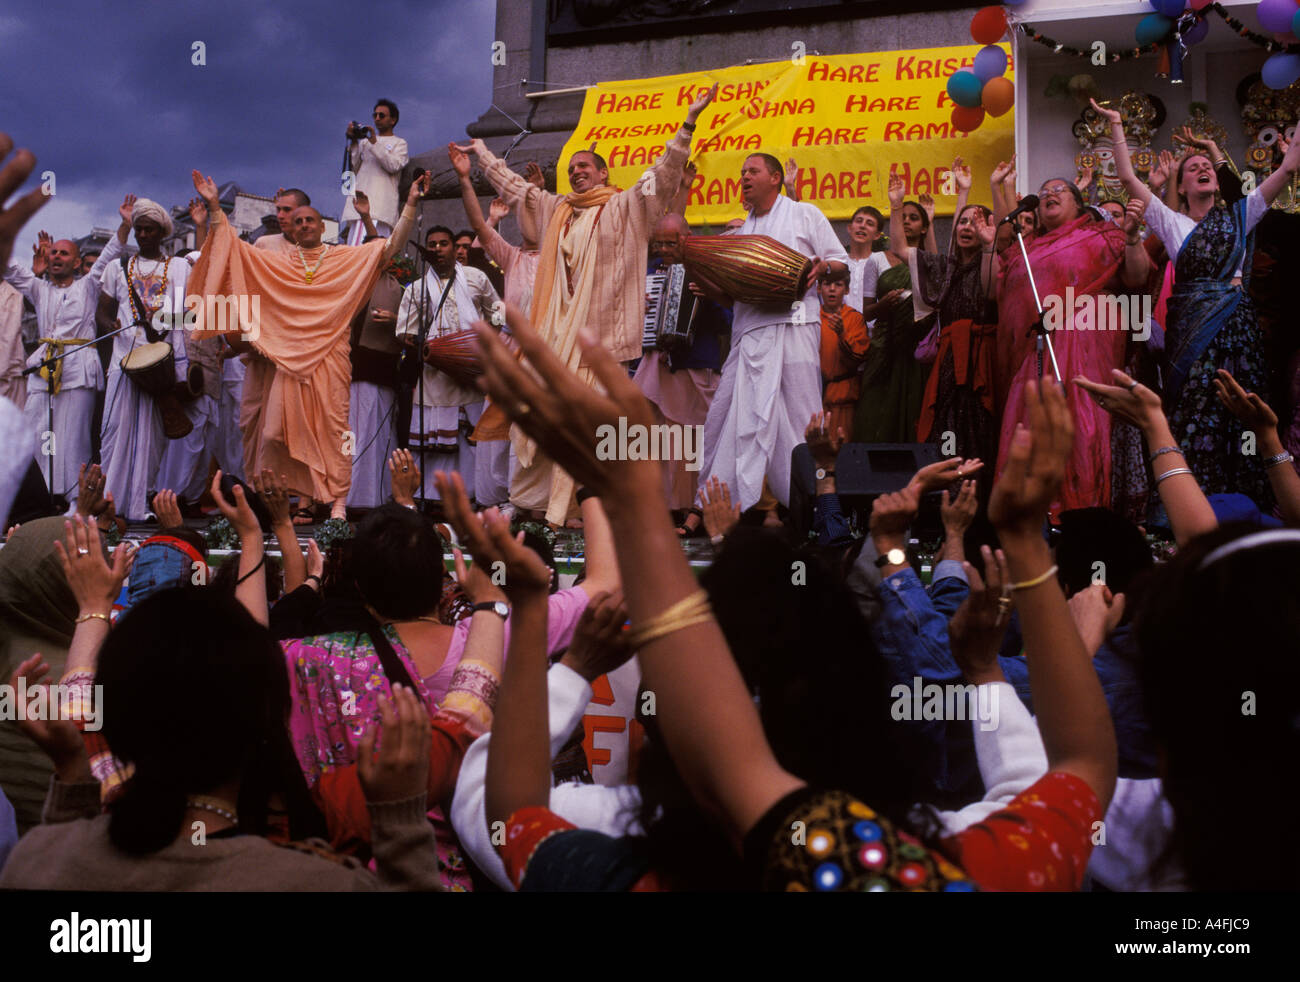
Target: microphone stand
(49, 391)
(1039, 329)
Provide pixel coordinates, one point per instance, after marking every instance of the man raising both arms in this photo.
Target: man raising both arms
(301, 305)
(590, 274)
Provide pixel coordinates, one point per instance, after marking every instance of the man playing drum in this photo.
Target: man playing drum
(771, 382)
(144, 293)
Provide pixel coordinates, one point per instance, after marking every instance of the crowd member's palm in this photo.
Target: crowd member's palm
(93, 581)
(59, 739)
(599, 641)
(1249, 408)
(1036, 463)
(976, 629)
(400, 769)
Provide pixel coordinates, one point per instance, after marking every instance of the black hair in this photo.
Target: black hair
(391, 106)
(189, 537)
(439, 228)
(818, 712)
(226, 578)
(925, 217)
(773, 165)
(463, 234)
(835, 274)
(1220, 680)
(1089, 536)
(397, 562)
(302, 197)
(230, 725)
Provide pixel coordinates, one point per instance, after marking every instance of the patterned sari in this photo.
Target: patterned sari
(1084, 255)
(893, 381)
(1212, 325)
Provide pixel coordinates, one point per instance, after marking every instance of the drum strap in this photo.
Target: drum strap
(138, 310)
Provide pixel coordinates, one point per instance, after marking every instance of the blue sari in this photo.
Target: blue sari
(1212, 325)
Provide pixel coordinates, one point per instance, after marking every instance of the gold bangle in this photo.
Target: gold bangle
(685, 613)
(86, 617)
(1036, 581)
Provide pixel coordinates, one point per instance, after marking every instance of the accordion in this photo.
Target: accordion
(670, 312)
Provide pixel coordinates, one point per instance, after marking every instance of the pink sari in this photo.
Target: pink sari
(1087, 255)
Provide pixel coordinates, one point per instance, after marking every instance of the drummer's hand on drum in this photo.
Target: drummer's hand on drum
(565, 415)
(237, 512)
(819, 266)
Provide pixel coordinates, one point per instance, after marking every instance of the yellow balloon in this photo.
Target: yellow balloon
(998, 96)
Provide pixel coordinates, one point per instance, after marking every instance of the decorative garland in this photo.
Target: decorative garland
(1235, 25)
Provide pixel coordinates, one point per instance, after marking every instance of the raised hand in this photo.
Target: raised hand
(41, 254)
(237, 512)
(274, 494)
(1084, 180)
(1031, 480)
(599, 641)
(207, 189)
(984, 229)
(926, 202)
(1133, 213)
(897, 189)
(360, 203)
(702, 103)
(126, 207)
(791, 177)
(497, 210)
(976, 629)
(315, 562)
(419, 188)
(405, 473)
(824, 445)
(94, 583)
(1096, 613)
(719, 514)
(1127, 399)
(892, 514)
(401, 769)
(198, 211)
(1254, 412)
(475, 580)
(1111, 116)
(475, 146)
(59, 739)
(166, 509)
(958, 512)
(533, 175)
(15, 216)
(942, 473)
(459, 160)
(1000, 172)
(90, 491)
(961, 174)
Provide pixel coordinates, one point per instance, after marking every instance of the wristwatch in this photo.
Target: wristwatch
(894, 557)
(823, 473)
(499, 607)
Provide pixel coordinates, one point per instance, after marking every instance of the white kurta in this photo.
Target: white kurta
(378, 167)
(131, 439)
(444, 411)
(64, 313)
(229, 446)
(863, 274)
(771, 383)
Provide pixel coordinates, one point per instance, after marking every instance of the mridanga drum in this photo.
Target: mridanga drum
(153, 368)
(749, 268)
(457, 355)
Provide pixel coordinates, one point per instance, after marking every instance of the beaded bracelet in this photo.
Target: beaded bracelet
(1282, 458)
(1162, 450)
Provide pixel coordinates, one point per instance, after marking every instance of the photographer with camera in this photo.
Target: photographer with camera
(376, 158)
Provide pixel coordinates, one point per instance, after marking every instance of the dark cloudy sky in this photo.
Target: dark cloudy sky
(106, 96)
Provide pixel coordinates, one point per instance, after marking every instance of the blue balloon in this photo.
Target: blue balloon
(1295, 23)
(1169, 8)
(965, 89)
(1280, 70)
(1197, 34)
(1012, 3)
(990, 62)
(1153, 28)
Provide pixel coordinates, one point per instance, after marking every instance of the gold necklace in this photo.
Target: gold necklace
(312, 271)
(130, 275)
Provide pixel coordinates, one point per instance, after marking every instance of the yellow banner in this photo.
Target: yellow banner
(844, 119)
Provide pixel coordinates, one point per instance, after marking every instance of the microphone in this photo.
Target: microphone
(1028, 203)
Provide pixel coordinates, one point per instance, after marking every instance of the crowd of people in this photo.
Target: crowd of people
(1053, 707)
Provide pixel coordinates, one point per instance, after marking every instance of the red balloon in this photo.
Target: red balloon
(998, 95)
(967, 120)
(988, 25)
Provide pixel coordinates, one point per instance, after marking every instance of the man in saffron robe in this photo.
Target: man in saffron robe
(298, 314)
(591, 273)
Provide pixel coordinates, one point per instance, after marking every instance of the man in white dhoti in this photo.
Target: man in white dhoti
(771, 382)
(147, 297)
(444, 411)
(65, 322)
(377, 158)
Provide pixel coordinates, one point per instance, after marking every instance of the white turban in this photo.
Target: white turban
(154, 212)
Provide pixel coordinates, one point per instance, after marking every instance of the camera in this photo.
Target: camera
(356, 131)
